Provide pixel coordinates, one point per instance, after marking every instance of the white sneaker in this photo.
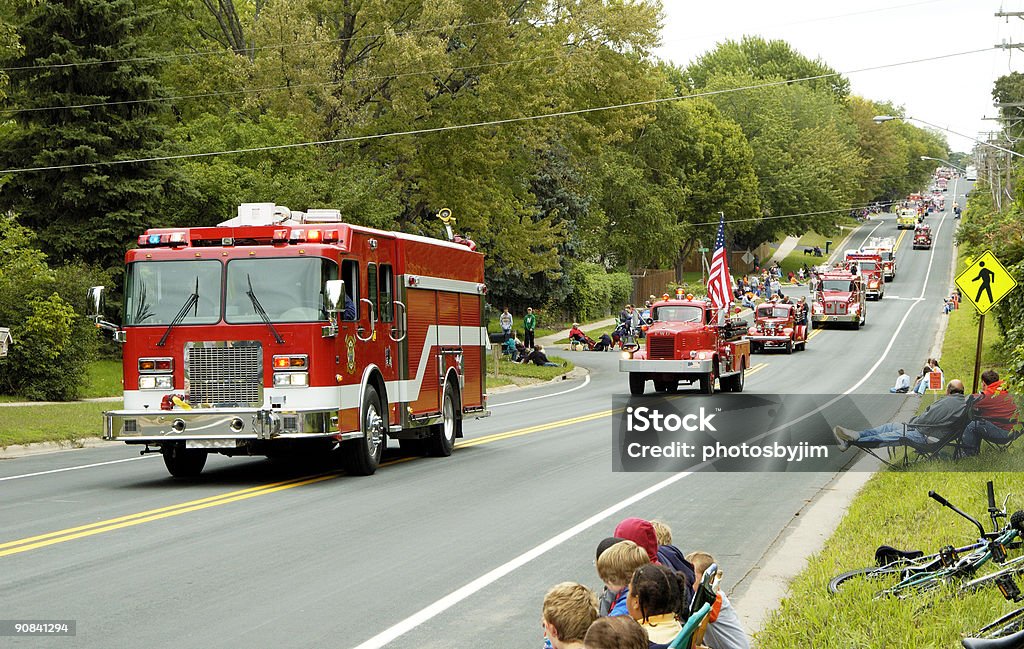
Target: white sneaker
(844, 436)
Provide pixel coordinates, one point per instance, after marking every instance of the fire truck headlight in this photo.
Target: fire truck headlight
(752, 331)
(627, 355)
(291, 379)
(160, 382)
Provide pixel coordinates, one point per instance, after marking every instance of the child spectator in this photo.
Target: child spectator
(615, 566)
(655, 600)
(604, 602)
(569, 610)
(662, 532)
(642, 533)
(615, 633)
(724, 630)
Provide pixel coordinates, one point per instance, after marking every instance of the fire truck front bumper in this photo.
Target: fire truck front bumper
(845, 317)
(687, 366)
(226, 424)
(771, 340)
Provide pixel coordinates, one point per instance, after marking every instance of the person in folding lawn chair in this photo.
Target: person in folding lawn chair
(939, 420)
(995, 415)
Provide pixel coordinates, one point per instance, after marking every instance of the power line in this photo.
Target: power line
(295, 86)
(494, 122)
(171, 57)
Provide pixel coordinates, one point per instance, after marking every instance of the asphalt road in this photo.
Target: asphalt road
(452, 553)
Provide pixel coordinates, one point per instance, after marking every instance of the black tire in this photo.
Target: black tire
(362, 456)
(706, 383)
(735, 382)
(441, 442)
(183, 462)
(1012, 622)
(789, 346)
(637, 383)
(886, 576)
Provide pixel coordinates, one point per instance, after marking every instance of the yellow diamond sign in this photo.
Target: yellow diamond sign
(985, 282)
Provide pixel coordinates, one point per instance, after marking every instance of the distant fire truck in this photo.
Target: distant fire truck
(870, 266)
(778, 325)
(885, 248)
(279, 328)
(922, 237)
(839, 296)
(688, 342)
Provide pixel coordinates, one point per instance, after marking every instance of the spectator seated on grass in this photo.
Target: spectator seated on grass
(615, 567)
(538, 357)
(995, 415)
(620, 632)
(655, 600)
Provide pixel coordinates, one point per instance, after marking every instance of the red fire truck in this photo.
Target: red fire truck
(686, 342)
(922, 237)
(277, 329)
(885, 248)
(869, 265)
(838, 296)
(778, 325)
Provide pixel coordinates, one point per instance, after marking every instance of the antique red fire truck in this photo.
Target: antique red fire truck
(278, 328)
(778, 325)
(688, 342)
(838, 296)
(885, 248)
(869, 265)
(922, 236)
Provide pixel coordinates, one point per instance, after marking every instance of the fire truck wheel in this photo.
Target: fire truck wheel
(789, 346)
(637, 383)
(734, 383)
(707, 383)
(442, 438)
(362, 456)
(183, 462)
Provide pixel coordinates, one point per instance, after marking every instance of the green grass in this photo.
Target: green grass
(509, 372)
(894, 509)
(794, 260)
(63, 422)
(104, 379)
(593, 333)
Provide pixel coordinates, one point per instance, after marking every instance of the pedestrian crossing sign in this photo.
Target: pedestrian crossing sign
(985, 282)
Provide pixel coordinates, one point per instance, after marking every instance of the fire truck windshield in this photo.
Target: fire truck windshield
(156, 290)
(837, 285)
(289, 289)
(679, 314)
(866, 266)
(772, 311)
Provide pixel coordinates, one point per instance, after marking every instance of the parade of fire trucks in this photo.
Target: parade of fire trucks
(278, 328)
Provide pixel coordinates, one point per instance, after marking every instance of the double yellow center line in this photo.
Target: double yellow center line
(100, 527)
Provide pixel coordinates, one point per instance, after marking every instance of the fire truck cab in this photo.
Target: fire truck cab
(869, 265)
(906, 218)
(687, 342)
(778, 325)
(922, 237)
(885, 248)
(279, 328)
(839, 296)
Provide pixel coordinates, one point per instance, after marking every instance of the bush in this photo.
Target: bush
(596, 292)
(52, 343)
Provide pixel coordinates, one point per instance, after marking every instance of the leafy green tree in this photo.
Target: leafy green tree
(88, 213)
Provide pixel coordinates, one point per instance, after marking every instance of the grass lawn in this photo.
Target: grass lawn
(894, 509)
(797, 258)
(104, 379)
(509, 372)
(63, 422)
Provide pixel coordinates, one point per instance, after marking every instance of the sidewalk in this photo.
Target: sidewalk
(787, 246)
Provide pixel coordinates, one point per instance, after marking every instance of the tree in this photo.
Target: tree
(89, 213)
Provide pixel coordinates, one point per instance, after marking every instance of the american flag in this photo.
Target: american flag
(719, 284)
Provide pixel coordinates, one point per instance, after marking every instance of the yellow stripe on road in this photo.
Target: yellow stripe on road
(757, 367)
(899, 240)
(814, 333)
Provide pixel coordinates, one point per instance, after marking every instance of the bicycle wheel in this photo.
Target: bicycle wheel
(1008, 624)
(885, 576)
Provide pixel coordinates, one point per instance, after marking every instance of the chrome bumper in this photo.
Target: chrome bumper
(688, 366)
(224, 424)
(848, 317)
(767, 339)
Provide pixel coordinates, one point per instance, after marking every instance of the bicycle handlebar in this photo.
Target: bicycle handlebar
(991, 496)
(945, 503)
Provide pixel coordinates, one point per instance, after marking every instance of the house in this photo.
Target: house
(5, 340)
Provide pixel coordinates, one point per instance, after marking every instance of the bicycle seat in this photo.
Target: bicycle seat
(1015, 641)
(886, 555)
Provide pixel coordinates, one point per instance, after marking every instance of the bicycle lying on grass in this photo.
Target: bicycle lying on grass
(900, 573)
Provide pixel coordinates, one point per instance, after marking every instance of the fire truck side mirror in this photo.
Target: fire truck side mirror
(95, 303)
(334, 290)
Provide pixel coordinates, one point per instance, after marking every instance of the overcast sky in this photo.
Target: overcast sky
(954, 93)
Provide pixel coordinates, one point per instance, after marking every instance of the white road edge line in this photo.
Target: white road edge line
(586, 381)
(453, 598)
(73, 468)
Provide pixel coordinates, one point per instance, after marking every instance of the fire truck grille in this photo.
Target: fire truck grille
(661, 348)
(224, 373)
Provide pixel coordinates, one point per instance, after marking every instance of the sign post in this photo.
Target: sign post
(703, 263)
(984, 283)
